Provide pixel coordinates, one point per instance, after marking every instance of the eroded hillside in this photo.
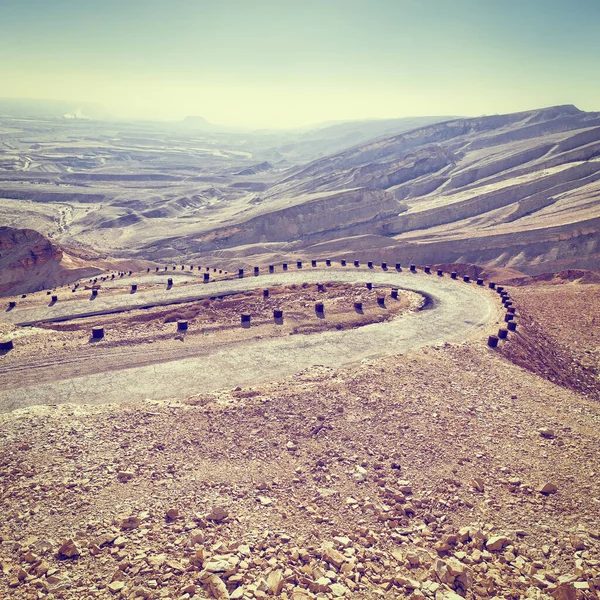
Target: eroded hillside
(517, 190)
(30, 262)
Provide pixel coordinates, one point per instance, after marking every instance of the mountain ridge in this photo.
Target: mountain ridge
(466, 181)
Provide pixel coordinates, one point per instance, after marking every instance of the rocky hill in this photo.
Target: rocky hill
(30, 262)
(518, 190)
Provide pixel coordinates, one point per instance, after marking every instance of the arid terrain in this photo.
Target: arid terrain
(517, 190)
(116, 187)
(445, 472)
(421, 420)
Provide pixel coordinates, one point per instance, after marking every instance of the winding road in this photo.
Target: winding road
(456, 312)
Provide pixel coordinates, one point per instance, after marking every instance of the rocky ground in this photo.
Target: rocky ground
(558, 334)
(445, 473)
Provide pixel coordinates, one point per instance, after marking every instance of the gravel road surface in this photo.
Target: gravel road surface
(456, 312)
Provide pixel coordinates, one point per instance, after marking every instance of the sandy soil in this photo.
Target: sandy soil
(546, 344)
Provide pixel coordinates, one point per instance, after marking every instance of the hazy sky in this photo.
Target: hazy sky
(286, 63)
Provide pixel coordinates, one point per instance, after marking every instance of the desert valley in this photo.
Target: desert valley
(359, 360)
(517, 191)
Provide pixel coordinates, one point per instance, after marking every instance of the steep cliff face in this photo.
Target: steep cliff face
(30, 262)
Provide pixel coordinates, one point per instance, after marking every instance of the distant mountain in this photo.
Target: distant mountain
(369, 128)
(518, 191)
(195, 123)
(322, 140)
(198, 123)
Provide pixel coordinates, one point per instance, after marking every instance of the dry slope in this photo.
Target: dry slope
(518, 190)
(30, 262)
(415, 477)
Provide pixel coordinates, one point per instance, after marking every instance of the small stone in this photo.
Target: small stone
(125, 476)
(478, 484)
(275, 582)
(262, 586)
(130, 523)
(216, 566)
(291, 447)
(334, 557)
(172, 514)
(455, 567)
(218, 513)
(42, 568)
(464, 534)
(197, 558)
(338, 589)
(264, 500)
(577, 542)
(69, 549)
(197, 537)
(322, 584)
(359, 476)
(218, 588)
(546, 433)
(411, 584)
(404, 486)
(547, 488)
(443, 572)
(497, 543)
(343, 541)
(584, 586)
(220, 564)
(116, 586)
(175, 565)
(397, 554)
(565, 591)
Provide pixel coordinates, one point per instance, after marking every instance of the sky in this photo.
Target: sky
(283, 63)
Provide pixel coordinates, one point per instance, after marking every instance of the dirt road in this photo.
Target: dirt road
(456, 312)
